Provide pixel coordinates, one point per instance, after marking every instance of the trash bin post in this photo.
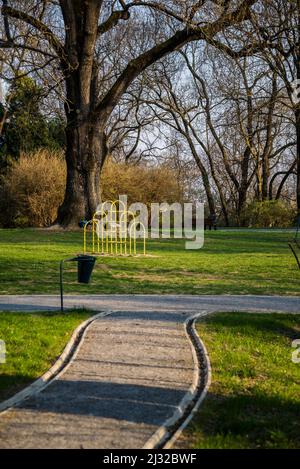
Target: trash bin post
(61, 267)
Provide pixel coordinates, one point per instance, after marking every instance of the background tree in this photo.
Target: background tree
(278, 25)
(228, 113)
(26, 128)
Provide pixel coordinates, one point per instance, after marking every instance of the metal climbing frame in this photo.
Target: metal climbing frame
(114, 231)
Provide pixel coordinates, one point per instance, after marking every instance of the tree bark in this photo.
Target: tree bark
(85, 136)
(85, 156)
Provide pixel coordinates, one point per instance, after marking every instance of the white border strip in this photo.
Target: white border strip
(59, 367)
(162, 435)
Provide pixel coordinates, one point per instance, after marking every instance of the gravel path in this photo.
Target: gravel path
(130, 373)
(128, 376)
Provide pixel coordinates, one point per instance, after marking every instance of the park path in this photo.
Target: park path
(128, 377)
(191, 303)
(130, 373)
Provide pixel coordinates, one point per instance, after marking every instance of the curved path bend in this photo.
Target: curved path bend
(128, 376)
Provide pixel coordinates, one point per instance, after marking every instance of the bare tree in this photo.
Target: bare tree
(73, 31)
(229, 113)
(173, 107)
(279, 26)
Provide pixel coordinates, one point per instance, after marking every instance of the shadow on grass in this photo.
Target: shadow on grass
(11, 384)
(251, 323)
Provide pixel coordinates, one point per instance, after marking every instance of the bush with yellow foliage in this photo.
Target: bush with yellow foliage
(34, 186)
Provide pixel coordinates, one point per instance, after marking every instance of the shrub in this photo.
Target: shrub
(34, 185)
(140, 183)
(32, 190)
(269, 214)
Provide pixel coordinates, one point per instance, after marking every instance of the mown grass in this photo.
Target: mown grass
(33, 343)
(254, 399)
(240, 262)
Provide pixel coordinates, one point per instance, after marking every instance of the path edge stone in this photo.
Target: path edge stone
(168, 433)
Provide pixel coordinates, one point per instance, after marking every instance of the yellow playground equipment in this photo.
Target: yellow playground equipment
(113, 231)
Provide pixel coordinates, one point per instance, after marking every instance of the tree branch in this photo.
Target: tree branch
(286, 174)
(158, 7)
(40, 26)
(6, 24)
(179, 39)
(113, 20)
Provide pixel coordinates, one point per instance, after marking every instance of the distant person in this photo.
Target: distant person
(211, 222)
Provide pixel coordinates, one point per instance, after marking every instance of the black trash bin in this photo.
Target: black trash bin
(85, 268)
(85, 265)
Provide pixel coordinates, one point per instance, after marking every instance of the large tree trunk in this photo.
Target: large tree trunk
(85, 156)
(85, 137)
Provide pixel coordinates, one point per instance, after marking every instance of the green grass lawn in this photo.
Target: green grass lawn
(33, 343)
(254, 399)
(240, 262)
